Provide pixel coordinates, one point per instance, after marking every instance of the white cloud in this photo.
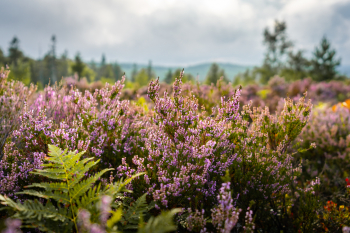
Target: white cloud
(171, 31)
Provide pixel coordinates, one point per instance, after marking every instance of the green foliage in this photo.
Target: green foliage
(324, 62)
(261, 157)
(78, 66)
(297, 67)
(66, 196)
(15, 53)
(263, 93)
(142, 77)
(2, 58)
(150, 73)
(133, 213)
(20, 71)
(142, 103)
(245, 78)
(72, 194)
(160, 224)
(214, 74)
(89, 74)
(304, 212)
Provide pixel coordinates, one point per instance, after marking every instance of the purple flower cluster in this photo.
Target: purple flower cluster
(187, 152)
(12, 226)
(225, 215)
(100, 123)
(184, 144)
(196, 221)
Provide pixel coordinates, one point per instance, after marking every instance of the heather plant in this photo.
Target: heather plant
(186, 152)
(225, 215)
(99, 123)
(13, 95)
(12, 226)
(330, 130)
(265, 171)
(184, 141)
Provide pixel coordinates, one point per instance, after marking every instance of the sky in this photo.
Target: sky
(171, 32)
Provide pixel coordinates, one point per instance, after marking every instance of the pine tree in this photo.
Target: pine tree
(78, 66)
(117, 70)
(214, 74)
(324, 62)
(150, 73)
(297, 67)
(277, 47)
(15, 53)
(103, 60)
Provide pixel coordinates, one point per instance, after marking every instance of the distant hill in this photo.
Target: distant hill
(200, 69)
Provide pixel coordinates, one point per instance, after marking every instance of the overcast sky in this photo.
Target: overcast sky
(171, 32)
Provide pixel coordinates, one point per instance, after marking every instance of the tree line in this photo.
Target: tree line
(280, 59)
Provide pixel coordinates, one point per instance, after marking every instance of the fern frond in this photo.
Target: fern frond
(161, 224)
(116, 216)
(119, 186)
(51, 186)
(90, 198)
(57, 196)
(34, 210)
(72, 192)
(131, 217)
(78, 172)
(80, 189)
(55, 174)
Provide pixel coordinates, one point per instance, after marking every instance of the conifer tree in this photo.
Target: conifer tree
(78, 66)
(15, 53)
(277, 47)
(214, 74)
(324, 62)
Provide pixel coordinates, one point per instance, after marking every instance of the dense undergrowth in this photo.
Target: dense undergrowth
(190, 157)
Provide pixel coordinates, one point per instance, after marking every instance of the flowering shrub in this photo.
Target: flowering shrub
(225, 216)
(99, 123)
(330, 130)
(184, 142)
(13, 95)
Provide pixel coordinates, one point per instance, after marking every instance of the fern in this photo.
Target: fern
(69, 191)
(133, 213)
(160, 224)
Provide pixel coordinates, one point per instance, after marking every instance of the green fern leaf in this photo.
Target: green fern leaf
(160, 224)
(81, 188)
(131, 217)
(71, 192)
(57, 196)
(50, 186)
